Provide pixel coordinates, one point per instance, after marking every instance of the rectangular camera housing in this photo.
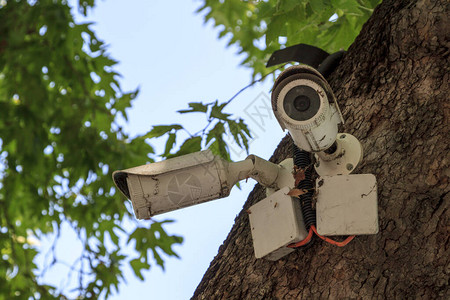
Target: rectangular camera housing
(176, 183)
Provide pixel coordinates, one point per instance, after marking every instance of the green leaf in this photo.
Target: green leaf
(240, 133)
(195, 107)
(125, 102)
(235, 130)
(284, 6)
(137, 265)
(190, 145)
(154, 239)
(244, 128)
(319, 5)
(219, 147)
(216, 111)
(216, 132)
(160, 130)
(215, 142)
(276, 28)
(169, 144)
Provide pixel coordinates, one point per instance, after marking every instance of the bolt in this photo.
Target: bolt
(349, 167)
(320, 183)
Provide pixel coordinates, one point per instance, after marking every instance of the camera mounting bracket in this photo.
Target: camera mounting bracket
(302, 53)
(343, 161)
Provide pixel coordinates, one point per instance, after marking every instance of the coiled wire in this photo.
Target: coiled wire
(302, 159)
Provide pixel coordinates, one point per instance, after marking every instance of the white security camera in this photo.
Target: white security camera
(199, 177)
(304, 104)
(191, 179)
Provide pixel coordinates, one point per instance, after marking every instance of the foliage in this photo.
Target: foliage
(218, 124)
(261, 27)
(60, 99)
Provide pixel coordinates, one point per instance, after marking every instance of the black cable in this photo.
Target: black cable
(330, 63)
(302, 159)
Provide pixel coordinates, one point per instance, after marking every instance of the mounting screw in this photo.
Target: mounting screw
(349, 167)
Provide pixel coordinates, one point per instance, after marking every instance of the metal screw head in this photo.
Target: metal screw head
(349, 167)
(342, 136)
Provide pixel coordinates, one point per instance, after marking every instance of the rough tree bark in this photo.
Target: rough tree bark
(393, 87)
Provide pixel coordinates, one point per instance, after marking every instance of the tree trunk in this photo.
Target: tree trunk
(393, 87)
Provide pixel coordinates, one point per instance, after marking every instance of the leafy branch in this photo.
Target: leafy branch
(259, 28)
(218, 125)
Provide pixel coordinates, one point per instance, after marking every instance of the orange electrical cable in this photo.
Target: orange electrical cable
(303, 242)
(312, 230)
(339, 244)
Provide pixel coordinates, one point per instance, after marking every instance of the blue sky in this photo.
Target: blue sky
(166, 49)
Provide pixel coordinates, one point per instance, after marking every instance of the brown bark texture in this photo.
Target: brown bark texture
(393, 89)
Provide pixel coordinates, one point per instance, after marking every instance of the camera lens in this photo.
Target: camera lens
(301, 102)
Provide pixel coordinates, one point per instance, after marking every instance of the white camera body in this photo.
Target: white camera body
(192, 179)
(173, 184)
(305, 105)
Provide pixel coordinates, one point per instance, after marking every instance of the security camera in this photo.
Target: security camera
(192, 179)
(199, 177)
(304, 104)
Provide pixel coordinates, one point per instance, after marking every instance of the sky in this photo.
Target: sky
(165, 48)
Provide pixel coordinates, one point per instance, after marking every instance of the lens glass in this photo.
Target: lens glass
(301, 103)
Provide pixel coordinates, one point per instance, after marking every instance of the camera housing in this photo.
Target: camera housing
(304, 104)
(173, 183)
(192, 179)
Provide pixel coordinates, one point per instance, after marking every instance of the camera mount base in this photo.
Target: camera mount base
(343, 160)
(284, 178)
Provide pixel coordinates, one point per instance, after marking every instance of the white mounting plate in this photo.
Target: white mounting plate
(276, 222)
(347, 205)
(349, 155)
